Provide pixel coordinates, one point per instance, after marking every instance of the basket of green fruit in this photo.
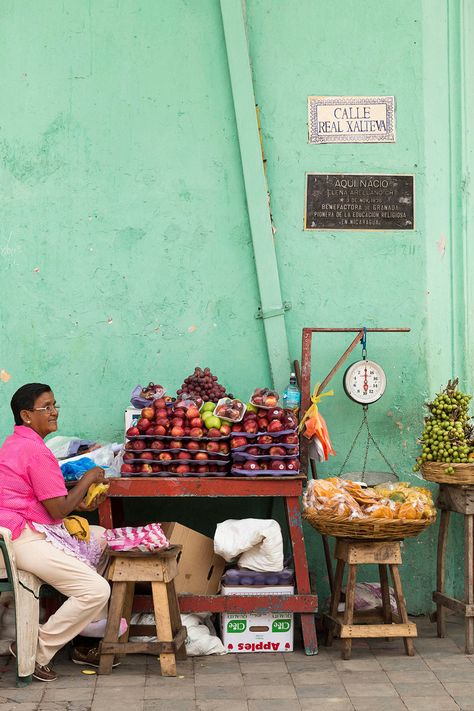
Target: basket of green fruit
(447, 442)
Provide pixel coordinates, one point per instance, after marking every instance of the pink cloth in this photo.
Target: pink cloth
(137, 538)
(29, 474)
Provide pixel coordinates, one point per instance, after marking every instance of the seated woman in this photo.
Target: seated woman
(33, 503)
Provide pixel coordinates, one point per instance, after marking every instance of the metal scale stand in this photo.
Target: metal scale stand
(304, 376)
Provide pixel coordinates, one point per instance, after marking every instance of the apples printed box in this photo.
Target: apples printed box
(272, 632)
(132, 415)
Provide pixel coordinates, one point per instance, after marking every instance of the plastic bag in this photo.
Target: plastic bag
(315, 426)
(257, 542)
(65, 447)
(142, 397)
(146, 539)
(201, 634)
(368, 596)
(72, 471)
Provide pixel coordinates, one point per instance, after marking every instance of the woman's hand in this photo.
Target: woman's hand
(94, 504)
(94, 475)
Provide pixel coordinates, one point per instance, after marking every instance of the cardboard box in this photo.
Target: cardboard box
(271, 632)
(132, 415)
(199, 568)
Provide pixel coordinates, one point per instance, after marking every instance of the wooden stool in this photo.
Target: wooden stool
(454, 497)
(382, 553)
(159, 569)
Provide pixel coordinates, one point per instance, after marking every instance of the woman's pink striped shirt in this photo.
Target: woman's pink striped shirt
(29, 474)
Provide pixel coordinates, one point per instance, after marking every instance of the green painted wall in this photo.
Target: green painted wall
(125, 247)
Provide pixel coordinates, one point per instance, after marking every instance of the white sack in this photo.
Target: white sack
(201, 637)
(257, 541)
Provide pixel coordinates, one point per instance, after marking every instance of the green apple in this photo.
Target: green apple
(212, 421)
(208, 407)
(251, 408)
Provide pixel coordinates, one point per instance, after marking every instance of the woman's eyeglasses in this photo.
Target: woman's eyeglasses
(48, 408)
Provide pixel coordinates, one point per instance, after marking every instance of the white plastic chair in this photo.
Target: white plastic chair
(26, 591)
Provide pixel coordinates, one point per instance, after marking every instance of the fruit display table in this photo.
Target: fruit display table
(459, 499)
(289, 488)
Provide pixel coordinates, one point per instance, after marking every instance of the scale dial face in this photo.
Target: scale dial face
(364, 382)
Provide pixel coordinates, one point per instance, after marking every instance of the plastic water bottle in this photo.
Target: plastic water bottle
(292, 395)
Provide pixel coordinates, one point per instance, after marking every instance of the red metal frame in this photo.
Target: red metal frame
(303, 602)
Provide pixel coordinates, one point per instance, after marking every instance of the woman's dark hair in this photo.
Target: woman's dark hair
(25, 398)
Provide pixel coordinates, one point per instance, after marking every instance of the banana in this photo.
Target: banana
(93, 491)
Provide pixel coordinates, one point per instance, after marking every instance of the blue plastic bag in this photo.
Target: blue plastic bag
(72, 471)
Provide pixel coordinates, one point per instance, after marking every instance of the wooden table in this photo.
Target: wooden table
(454, 497)
(290, 489)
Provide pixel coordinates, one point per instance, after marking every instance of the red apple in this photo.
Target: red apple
(251, 426)
(160, 431)
(252, 415)
(223, 448)
(146, 455)
(201, 456)
(275, 414)
(127, 469)
(290, 439)
(214, 433)
(270, 401)
(156, 468)
(275, 426)
(238, 442)
(128, 456)
(177, 431)
(129, 445)
(165, 456)
(193, 445)
(278, 465)
(148, 413)
(161, 413)
(177, 422)
(150, 431)
(289, 422)
(192, 412)
(264, 465)
(172, 469)
(238, 427)
(212, 468)
(195, 422)
(157, 445)
(264, 439)
(138, 444)
(213, 446)
(159, 403)
(277, 451)
(293, 465)
(176, 444)
(183, 455)
(145, 469)
(251, 466)
(225, 429)
(196, 432)
(183, 469)
(262, 424)
(254, 451)
(133, 432)
(143, 424)
(202, 469)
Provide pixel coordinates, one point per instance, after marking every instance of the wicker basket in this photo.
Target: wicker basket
(379, 529)
(436, 471)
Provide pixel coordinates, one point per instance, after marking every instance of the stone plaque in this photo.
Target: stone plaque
(351, 119)
(353, 201)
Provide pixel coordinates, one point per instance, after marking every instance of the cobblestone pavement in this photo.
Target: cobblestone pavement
(379, 676)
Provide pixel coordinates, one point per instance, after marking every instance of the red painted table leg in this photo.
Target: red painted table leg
(295, 528)
(105, 513)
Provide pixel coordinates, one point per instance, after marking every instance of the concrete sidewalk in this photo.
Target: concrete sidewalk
(379, 676)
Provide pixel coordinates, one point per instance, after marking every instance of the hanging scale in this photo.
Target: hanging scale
(364, 383)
